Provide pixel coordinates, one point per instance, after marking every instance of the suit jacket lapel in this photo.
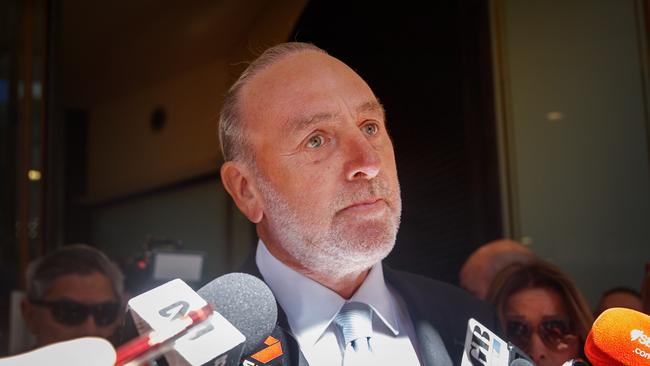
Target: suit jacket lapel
(431, 347)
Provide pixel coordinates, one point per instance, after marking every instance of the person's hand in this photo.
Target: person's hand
(87, 351)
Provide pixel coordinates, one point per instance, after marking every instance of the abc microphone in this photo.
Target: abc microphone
(483, 347)
(619, 336)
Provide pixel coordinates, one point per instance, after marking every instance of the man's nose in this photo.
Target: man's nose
(89, 327)
(362, 159)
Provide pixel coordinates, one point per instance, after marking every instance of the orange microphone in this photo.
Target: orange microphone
(619, 337)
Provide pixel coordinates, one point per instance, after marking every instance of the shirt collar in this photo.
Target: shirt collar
(310, 307)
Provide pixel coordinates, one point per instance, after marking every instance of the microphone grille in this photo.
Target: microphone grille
(247, 303)
(619, 336)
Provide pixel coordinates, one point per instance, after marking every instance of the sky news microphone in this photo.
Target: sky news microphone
(619, 337)
(483, 347)
(87, 351)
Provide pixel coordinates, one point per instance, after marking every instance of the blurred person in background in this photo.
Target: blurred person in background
(542, 312)
(73, 292)
(484, 263)
(619, 297)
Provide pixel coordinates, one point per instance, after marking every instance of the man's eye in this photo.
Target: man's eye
(370, 129)
(315, 141)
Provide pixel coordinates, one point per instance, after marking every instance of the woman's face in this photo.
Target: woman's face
(536, 320)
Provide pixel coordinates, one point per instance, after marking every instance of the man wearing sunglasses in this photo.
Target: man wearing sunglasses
(73, 292)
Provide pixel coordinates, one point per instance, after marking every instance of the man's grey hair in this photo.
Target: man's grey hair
(75, 259)
(232, 138)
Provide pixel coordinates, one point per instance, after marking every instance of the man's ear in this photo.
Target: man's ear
(237, 179)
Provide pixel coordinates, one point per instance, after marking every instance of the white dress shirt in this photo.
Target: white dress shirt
(310, 308)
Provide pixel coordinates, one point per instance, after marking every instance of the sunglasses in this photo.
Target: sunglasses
(72, 313)
(555, 333)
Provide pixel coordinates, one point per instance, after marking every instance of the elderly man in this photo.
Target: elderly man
(484, 263)
(73, 292)
(308, 159)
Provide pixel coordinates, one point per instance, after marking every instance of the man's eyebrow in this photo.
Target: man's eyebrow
(371, 106)
(303, 123)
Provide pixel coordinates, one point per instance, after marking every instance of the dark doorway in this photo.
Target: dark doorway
(430, 64)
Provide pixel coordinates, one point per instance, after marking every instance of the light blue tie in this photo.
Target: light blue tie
(354, 321)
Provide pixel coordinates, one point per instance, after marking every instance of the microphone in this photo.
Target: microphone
(483, 347)
(184, 328)
(155, 343)
(87, 351)
(619, 336)
(245, 310)
(174, 317)
(247, 302)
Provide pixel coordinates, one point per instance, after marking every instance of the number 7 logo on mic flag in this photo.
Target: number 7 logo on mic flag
(271, 352)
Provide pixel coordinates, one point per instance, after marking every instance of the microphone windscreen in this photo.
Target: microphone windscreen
(619, 336)
(245, 301)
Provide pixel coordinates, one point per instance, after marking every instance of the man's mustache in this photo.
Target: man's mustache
(365, 191)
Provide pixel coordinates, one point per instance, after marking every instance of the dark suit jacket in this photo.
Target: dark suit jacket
(439, 313)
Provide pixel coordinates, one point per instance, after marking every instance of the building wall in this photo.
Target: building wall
(572, 79)
(198, 215)
(126, 155)
(164, 182)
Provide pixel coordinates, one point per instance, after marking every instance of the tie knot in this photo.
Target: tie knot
(354, 320)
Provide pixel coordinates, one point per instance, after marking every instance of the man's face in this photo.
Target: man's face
(88, 289)
(325, 165)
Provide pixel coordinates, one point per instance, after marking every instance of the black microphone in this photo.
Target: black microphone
(247, 302)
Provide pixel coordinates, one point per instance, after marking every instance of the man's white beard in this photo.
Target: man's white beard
(327, 249)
